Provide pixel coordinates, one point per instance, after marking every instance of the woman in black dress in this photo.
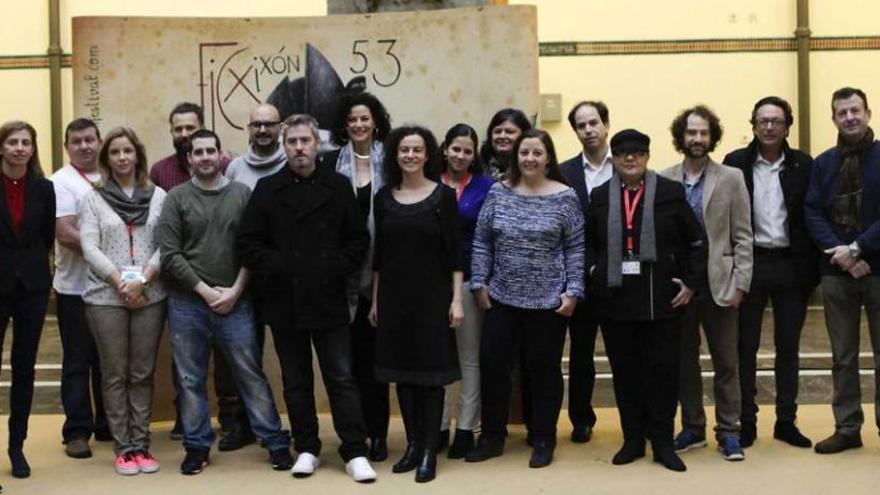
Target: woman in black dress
(416, 290)
(27, 232)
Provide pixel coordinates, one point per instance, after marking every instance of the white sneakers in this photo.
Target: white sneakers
(305, 465)
(360, 470)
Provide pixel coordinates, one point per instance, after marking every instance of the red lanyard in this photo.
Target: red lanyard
(83, 175)
(630, 210)
(130, 229)
(459, 189)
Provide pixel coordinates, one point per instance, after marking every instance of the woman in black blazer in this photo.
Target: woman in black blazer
(644, 251)
(27, 232)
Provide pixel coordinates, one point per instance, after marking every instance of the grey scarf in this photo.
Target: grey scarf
(647, 239)
(256, 161)
(133, 210)
(361, 283)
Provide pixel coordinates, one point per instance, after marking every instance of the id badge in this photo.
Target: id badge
(130, 273)
(631, 266)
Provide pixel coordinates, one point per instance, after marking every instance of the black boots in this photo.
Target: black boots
(409, 461)
(630, 451)
(461, 444)
(378, 450)
(427, 469)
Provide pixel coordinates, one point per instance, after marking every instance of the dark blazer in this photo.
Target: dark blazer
(680, 254)
(819, 208)
(573, 169)
(303, 237)
(26, 256)
(794, 178)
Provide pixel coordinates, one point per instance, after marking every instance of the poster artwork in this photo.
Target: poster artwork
(435, 68)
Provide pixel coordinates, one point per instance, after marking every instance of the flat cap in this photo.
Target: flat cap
(630, 140)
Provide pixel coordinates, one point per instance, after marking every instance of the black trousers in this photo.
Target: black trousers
(422, 410)
(80, 372)
(644, 361)
(775, 279)
(27, 311)
(374, 394)
(333, 348)
(538, 337)
(582, 330)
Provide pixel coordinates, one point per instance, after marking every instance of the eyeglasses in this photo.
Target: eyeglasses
(772, 122)
(258, 124)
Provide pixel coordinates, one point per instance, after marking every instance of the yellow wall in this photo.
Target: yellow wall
(643, 91)
(646, 91)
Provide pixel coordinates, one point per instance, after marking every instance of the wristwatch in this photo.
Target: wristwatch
(854, 250)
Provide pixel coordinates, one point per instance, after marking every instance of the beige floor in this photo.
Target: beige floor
(770, 468)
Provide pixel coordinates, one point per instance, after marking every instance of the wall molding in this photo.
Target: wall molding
(732, 45)
(602, 48)
(18, 62)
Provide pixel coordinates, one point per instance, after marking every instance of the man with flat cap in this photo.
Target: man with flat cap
(645, 252)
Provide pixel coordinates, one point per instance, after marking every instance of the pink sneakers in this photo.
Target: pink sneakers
(136, 462)
(146, 462)
(126, 465)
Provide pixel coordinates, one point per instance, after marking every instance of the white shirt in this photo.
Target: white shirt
(71, 269)
(770, 215)
(596, 175)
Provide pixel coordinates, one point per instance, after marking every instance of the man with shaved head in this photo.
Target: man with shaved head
(264, 156)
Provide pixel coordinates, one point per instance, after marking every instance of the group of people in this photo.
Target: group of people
(405, 260)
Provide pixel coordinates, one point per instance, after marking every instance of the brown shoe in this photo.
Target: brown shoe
(838, 442)
(78, 448)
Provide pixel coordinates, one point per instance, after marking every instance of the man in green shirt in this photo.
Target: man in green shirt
(206, 283)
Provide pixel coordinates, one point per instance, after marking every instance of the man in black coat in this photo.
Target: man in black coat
(585, 171)
(786, 263)
(303, 233)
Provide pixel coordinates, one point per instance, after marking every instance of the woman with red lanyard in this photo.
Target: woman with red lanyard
(27, 233)
(463, 172)
(125, 303)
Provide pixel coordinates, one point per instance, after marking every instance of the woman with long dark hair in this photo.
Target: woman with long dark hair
(462, 171)
(125, 301)
(27, 233)
(417, 290)
(504, 129)
(361, 127)
(527, 272)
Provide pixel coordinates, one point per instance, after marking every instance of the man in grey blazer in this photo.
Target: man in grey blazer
(719, 198)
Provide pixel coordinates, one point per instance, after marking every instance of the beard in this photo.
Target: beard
(696, 151)
(181, 146)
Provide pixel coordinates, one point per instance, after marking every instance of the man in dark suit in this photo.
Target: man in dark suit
(304, 234)
(588, 169)
(786, 263)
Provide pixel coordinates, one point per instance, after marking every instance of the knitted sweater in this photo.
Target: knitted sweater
(529, 250)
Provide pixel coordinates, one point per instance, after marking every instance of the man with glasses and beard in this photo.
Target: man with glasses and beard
(168, 173)
(786, 264)
(718, 196)
(264, 155)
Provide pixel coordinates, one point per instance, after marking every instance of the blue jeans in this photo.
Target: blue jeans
(194, 329)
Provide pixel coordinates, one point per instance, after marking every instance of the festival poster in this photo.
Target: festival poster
(435, 68)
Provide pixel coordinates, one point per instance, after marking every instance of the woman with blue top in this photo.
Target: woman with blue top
(527, 271)
(417, 297)
(361, 127)
(463, 173)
